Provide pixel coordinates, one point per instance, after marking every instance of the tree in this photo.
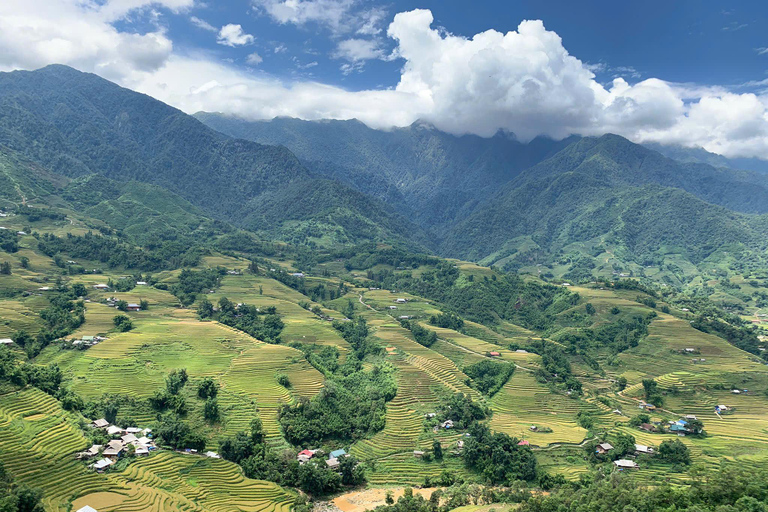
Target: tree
(79, 290)
(696, 426)
(623, 446)
(176, 380)
(205, 309)
(590, 308)
(437, 450)
(122, 323)
(211, 410)
(351, 471)
(110, 411)
(257, 431)
(22, 338)
(121, 305)
(675, 452)
(208, 388)
(283, 380)
(5, 268)
(24, 262)
(144, 304)
(621, 382)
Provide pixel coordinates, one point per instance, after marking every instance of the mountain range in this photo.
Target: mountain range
(131, 160)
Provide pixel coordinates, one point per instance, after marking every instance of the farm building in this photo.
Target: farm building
(524, 442)
(6, 341)
(604, 448)
(114, 430)
(335, 454)
(494, 354)
(641, 448)
(332, 463)
(447, 424)
(625, 464)
(401, 301)
(101, 286)
(418, 454)
(101, 465)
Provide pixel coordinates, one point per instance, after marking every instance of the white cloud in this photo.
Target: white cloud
(34, 33)
(254, 59)
(355, 50)
(762, 51)
(523, 81)
(202, 24)
(233, 35)
(330, 13)
(338, 16)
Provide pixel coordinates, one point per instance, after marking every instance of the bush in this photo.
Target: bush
(122, 323)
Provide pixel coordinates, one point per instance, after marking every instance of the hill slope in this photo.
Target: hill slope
(75, 124)
(437, 177)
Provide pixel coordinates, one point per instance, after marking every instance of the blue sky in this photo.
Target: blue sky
(681, 41)
(687, 72)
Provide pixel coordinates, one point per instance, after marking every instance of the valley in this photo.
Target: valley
(489, 321)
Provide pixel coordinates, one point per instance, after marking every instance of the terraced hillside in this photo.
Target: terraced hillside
(38, 441)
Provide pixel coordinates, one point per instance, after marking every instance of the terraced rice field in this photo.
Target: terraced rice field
(251, 378)
(37, 445)
(523, 402)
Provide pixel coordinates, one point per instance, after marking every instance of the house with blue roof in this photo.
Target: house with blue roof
(335, 454)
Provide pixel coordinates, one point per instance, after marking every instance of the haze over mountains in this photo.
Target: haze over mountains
(340, 182)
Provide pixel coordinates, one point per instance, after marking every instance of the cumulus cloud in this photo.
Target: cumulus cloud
(254, 59)
(523, 81)
(233, 35)
(355, 50)
(34, 33)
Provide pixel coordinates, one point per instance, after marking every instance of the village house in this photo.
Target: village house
(101, 286)
(141, 450)
(335, 454)
(625, 464)
(141, 283)
(212, 455)
(401, 301)
(101, 465)
(133, 307)
(641, 448)
(90, 452)
(392, 307)
(100, 423)
(524, 442)
(418, 454)
(332, 463)
(447, 424)
(648, 427)
(298, 274)
(304, 455)
(114, 430)
(129, 439)
(430, 415)
(114, 449)
(494, 354)
(86, 509)
(6, 341)
(603, 448)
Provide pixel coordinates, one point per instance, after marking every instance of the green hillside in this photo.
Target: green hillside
(75, 124)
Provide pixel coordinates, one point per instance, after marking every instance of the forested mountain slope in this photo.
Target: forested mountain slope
(75, 124)
(437, 176)
(618, 196)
